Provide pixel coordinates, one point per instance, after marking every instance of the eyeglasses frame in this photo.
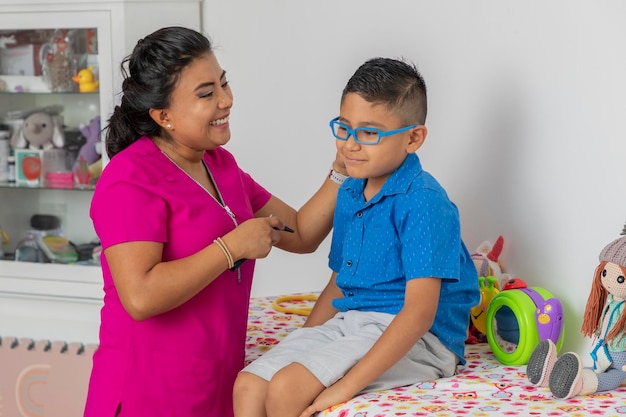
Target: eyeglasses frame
(352, 132)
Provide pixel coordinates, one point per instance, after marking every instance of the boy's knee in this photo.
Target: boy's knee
(246, 382)
(296, 383)
(280, 387)
(249, 393)
(277, 388)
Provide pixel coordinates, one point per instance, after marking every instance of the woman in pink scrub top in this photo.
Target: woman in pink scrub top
(174, 213)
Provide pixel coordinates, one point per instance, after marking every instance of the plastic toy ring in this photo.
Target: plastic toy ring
(301, 311)
(518, 319)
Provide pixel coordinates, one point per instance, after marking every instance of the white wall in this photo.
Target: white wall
(527, 126)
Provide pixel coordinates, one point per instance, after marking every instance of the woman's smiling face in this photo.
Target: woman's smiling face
(200, 106)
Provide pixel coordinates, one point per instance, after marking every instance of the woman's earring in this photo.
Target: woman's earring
(169, 126)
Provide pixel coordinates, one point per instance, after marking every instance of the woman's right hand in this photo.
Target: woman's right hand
(254, 238)
(339, 164)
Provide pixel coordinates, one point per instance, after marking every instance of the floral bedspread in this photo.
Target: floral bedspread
(483, 387)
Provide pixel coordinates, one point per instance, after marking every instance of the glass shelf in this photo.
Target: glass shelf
(35, 85)
(77, 187)
(47, 93)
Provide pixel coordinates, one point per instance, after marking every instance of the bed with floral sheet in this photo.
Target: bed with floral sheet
(483, 387)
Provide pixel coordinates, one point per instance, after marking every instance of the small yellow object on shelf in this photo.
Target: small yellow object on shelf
(4, 237)
(86, 80)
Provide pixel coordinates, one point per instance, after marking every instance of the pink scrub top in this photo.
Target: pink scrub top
(182, 362)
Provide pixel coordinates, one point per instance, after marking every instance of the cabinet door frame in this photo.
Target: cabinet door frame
(44, 300)
(63, 301)
(74, 19)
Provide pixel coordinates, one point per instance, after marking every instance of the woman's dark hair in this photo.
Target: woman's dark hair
(394, 83)
(154, 68)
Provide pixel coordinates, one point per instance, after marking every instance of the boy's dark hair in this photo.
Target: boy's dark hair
(154, 68)
(394, 83)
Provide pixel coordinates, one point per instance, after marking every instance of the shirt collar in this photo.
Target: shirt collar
(397, 183)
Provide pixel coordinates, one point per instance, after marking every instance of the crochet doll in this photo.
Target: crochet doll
(605, 321)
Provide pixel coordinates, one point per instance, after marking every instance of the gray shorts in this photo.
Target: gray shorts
(329, 351)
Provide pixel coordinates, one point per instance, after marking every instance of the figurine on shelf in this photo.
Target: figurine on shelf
(86, 80)
(4, 240)
(91, 151)
(58, 63)
(82, 172)
(39, 130)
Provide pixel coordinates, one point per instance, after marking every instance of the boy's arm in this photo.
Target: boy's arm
(409, 325)
(323, 309)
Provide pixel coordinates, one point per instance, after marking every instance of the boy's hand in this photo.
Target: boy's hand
(332, 395)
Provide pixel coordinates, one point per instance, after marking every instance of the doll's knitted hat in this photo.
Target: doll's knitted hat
(615, 252)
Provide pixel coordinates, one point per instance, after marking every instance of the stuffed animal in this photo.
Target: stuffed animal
(605, 321)
(90, 151)
(487, 262)
(491, 280)
(39, 130)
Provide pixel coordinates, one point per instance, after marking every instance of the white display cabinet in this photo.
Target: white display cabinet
(60, 301)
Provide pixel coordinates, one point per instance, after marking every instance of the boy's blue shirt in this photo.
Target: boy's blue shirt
(409, 229)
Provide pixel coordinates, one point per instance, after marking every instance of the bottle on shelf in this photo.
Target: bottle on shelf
(11, 169)
(5, 152)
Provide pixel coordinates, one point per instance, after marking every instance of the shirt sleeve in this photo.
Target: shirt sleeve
(430, 236)
(257, 195)
(125, 212)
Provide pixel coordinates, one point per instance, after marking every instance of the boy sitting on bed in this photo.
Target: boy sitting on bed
(396, 308)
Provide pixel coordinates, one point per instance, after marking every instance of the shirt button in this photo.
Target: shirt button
(349, 263)
(350, 294)
(359, 214)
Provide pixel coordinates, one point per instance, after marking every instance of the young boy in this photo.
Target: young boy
(396, 308)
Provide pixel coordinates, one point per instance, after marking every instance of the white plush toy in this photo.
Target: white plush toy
(487, 261)
(39, 130)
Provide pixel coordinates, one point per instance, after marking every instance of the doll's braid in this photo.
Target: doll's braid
(595, 303)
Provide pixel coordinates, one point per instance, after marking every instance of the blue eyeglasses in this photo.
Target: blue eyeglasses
(363, 135)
